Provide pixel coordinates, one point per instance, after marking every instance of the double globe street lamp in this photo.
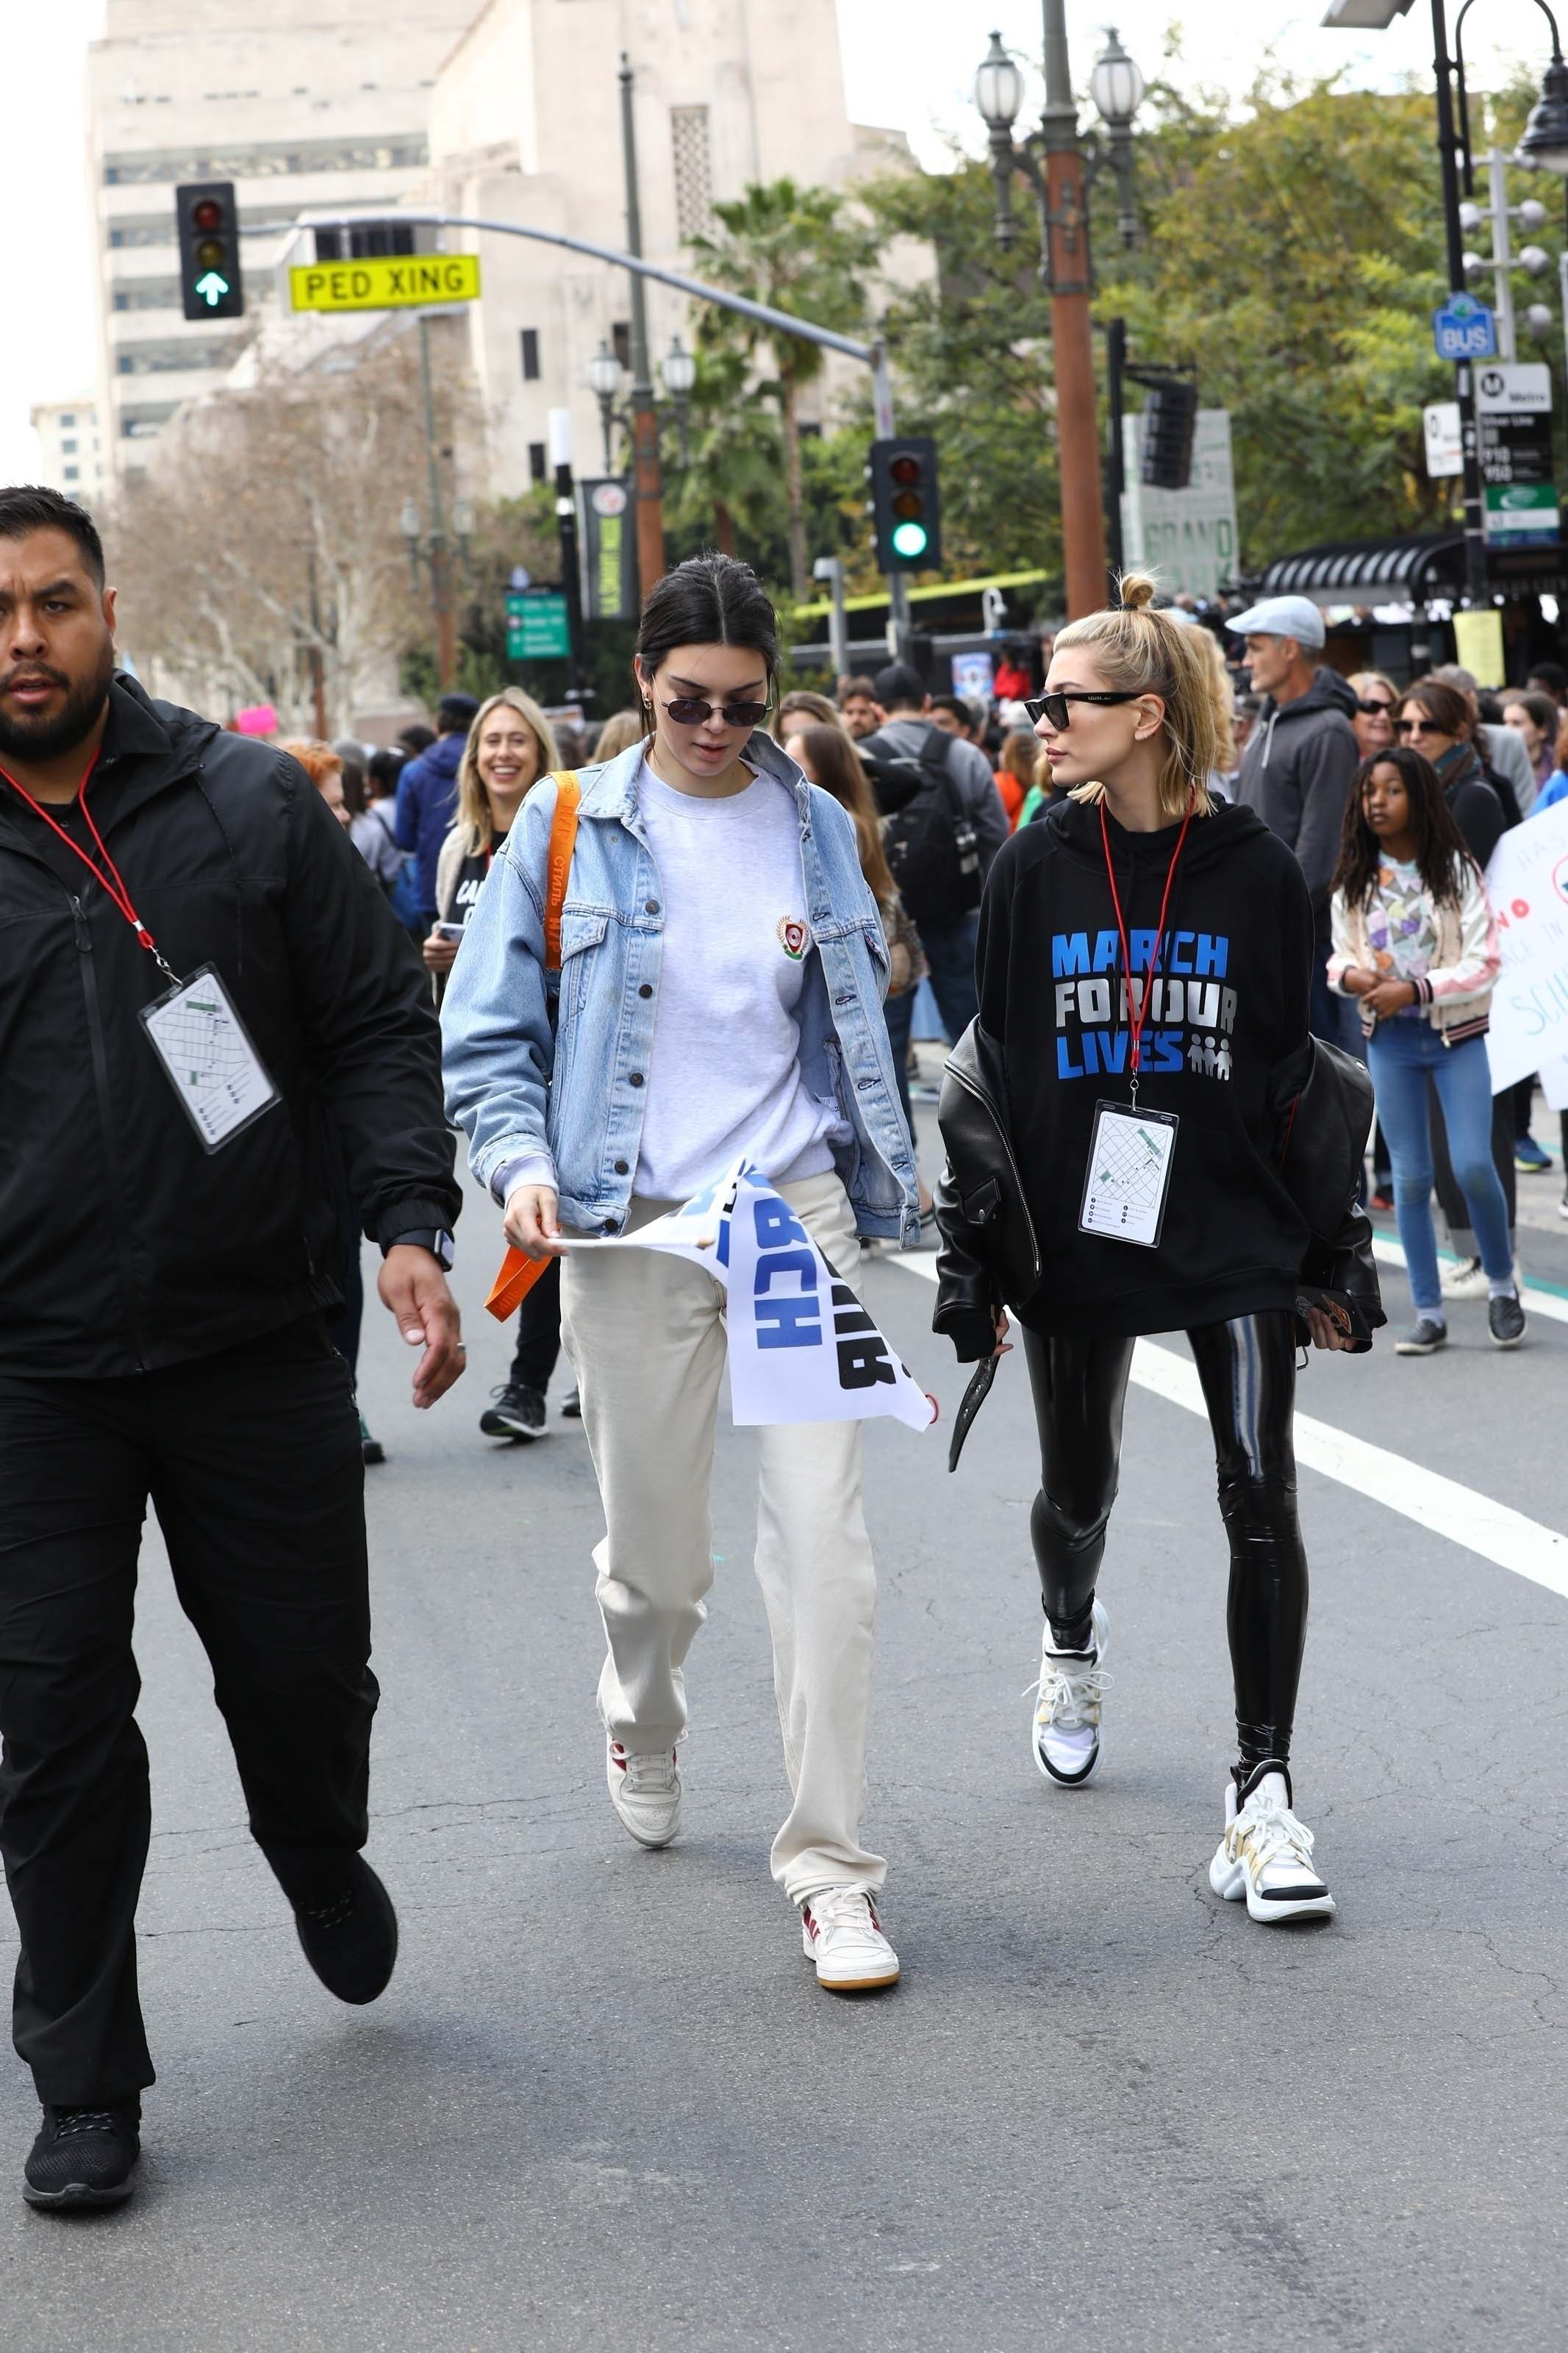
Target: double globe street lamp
(606, 379)
(1059, 165)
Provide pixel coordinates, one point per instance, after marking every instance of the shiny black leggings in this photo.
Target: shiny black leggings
(1248, 1369)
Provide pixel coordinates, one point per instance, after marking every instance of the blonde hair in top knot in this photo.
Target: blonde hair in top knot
(1138, 650)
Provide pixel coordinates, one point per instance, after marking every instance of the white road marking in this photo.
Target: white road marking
(1494, 1531)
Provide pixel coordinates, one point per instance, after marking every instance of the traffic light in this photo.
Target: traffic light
(1170, 422)
(905, 503)
(210, 286)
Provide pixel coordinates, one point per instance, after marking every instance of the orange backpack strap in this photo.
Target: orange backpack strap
(558, 866)
(518, 1274)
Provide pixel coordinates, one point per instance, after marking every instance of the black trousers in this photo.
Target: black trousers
(538, 1332)
(1248, 1369)
(252, 1461)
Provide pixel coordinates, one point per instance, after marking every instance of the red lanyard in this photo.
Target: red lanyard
(112, 882)
(1135, 1020)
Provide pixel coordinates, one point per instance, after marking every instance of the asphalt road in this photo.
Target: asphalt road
(604, 2104)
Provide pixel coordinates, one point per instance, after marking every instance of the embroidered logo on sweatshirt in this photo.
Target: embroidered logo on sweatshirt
(794, 938)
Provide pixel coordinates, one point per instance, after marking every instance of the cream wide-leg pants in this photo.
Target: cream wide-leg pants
(644, 1333)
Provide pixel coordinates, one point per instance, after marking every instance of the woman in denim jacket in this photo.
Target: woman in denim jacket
(722, 967)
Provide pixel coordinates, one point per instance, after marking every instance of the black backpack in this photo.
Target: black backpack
(927, 831)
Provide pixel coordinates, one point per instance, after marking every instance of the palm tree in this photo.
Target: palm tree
(787, 246)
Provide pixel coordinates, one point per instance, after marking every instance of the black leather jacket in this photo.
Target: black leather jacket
(990, 1256)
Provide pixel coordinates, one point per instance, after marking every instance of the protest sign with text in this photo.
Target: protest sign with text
(1527, 880)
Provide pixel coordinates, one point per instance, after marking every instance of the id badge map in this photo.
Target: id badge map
(214, 1070)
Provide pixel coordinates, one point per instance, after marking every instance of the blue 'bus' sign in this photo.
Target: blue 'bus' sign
(1463, 329)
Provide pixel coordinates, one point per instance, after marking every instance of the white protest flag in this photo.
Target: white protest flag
(802, 1348)
(1527, 881)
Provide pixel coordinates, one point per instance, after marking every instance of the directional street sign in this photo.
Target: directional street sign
(426, 278)
(536, 625)
(1463, 329)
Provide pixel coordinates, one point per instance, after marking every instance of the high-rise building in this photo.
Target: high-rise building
(70, 453)
(301, 104)
(525, 126)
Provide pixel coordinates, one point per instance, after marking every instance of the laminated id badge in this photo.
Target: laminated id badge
(215, 1070)
(1129, 1156)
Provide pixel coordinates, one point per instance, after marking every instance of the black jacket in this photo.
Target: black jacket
(123, 1244)
(990, 1255)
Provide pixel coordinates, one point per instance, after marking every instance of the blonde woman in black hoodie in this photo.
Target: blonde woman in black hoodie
(1146, 1127)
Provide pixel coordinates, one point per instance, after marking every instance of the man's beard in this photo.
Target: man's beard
(38, 739)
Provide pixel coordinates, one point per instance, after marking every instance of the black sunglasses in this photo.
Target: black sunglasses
(1416, 727)
(691, 710)
(1054, 707)
(1371, 708)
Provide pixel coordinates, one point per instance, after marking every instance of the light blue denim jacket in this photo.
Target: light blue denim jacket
(558, 1092)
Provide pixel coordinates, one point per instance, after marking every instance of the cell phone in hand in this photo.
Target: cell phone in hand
(448, 930)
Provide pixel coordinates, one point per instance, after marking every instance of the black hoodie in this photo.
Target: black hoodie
(1225, 1047)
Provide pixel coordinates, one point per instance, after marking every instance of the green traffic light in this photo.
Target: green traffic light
(910, 540)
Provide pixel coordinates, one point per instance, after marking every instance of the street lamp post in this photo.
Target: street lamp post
(1544, 145)
(647, 480)
(434, 546)
(677, 372)
(1053, 162)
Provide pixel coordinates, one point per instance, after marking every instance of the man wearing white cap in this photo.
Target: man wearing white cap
(1299, 758)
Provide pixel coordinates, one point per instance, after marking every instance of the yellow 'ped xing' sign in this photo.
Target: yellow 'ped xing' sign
(385, 285)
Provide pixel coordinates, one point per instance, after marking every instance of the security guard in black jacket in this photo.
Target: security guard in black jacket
(197, 975)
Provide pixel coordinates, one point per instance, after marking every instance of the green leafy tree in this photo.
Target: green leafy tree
(1292, 255)
(793, 249)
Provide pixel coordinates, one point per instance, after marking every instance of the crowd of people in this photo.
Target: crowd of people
(254, 988)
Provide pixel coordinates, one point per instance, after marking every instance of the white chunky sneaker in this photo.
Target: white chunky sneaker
(645, 1791)
(1466, 1279)
(1266, 1854)
(840, 1932)
(1066, 1733)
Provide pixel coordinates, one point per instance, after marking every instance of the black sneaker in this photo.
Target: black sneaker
(1424, 1335)
(570, 1407)
(84, 2156)
(516, 1413)
(351, 1944)
(369, 1448)
(1505, 1320)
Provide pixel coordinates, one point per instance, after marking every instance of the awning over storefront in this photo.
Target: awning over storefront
(1414, 568)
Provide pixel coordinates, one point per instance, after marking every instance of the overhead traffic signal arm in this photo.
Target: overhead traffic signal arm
(207, 219)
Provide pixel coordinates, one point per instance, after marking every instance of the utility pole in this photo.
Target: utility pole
(647, 480)
(1475, 588)
(567, 533)
(440, 547)
(1116, 469)
(1072, 339)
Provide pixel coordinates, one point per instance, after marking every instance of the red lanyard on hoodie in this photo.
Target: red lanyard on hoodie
(1135, 1019)
(111, 883)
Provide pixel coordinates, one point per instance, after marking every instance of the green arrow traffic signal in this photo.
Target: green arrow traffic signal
(212, 288)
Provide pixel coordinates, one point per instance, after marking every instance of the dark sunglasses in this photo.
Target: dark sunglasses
(689, 711)
(1416, 727)
(1371, 708)
(1054, 707)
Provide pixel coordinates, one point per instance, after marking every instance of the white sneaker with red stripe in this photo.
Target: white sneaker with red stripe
(645, 1791)
(839, 1931)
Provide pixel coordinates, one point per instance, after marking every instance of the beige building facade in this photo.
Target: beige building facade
(525, 127)
(302, 103)
(70, 454)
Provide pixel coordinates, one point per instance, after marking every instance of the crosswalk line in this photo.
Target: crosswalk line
(1493, 1531)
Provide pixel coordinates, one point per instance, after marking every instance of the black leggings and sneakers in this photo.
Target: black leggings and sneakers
(1248, 1368)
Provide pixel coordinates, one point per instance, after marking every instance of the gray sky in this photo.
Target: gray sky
(909, 63)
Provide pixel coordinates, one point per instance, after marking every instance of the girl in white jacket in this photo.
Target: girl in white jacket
(1414, 939)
